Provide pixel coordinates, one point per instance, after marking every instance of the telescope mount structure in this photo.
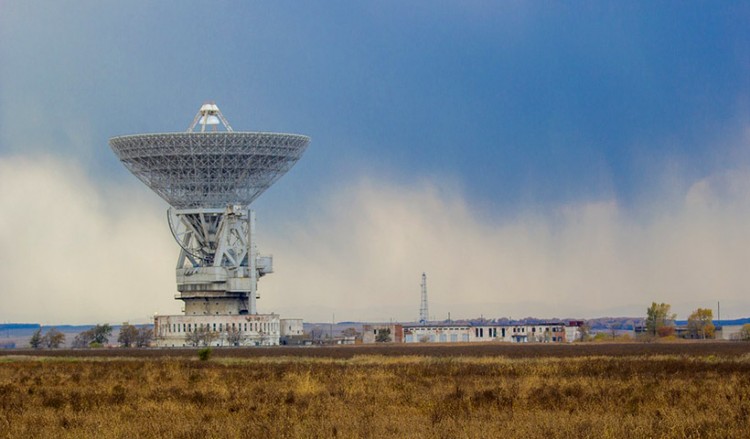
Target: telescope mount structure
(209, 175)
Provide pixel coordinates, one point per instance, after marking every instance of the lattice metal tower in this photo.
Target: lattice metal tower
(423, 312)
(209, 176)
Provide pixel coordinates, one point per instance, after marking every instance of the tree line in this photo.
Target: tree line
(660, 323)
(97, 336)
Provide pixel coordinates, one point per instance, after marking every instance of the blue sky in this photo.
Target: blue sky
(514, 111)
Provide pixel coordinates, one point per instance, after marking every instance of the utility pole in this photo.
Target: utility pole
(718, 306)
(423, 315)
(333, 319)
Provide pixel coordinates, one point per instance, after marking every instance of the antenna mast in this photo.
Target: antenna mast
(423, 314)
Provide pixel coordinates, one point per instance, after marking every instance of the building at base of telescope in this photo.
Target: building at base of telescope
(224, 330)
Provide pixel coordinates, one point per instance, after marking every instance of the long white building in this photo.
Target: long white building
(514, 333)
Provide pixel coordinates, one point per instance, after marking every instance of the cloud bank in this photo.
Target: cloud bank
(78, 252)
(362, 254)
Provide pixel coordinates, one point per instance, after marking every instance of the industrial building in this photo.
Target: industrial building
(464, 332)
(235, 330)
(468, 333)
(210, 175)
(389, 333)
(471, 333)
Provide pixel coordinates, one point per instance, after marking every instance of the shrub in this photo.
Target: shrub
(204, 354)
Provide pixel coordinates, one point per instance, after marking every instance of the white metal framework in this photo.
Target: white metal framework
(210, 169)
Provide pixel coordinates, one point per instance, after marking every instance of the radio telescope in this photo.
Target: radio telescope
(210, 175)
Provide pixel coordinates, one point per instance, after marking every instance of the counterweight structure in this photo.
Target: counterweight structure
(209, 177)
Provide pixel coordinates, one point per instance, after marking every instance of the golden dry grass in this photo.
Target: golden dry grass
(375, 396)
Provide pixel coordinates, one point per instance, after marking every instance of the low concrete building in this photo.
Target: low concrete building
(437, 333)
(463, 333)
(292, 328)
(217, 330)
(729, 332)
(394, 333)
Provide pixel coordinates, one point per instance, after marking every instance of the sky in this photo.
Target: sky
(547, 159)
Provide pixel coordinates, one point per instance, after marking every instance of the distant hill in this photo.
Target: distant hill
(738, 322)
(13, 326)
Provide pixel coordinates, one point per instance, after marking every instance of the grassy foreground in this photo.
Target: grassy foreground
(377, 396)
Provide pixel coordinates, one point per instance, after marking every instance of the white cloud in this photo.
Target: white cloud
(362, 256)
(77, 252)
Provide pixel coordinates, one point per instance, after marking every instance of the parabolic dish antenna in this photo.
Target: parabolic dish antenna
(205, 167)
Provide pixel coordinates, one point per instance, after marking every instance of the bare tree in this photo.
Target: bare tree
(82, 340)
(201, 336)
(144, 336)
(613, 327)
(316, 333)
(585, 331)
(351, 332)
(234, 336)
(53, 339)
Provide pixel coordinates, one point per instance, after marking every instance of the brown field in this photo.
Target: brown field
(528, 350)
(699, 390)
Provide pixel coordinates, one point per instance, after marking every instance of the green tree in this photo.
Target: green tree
(383, 336)
(36, 339)
(128, 335)
(96, 336)
(700, 324)
(53, 339)
(745, 332)
(101, 333)
(659, 319)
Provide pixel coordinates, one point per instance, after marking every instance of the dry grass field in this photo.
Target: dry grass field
(615, 391)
